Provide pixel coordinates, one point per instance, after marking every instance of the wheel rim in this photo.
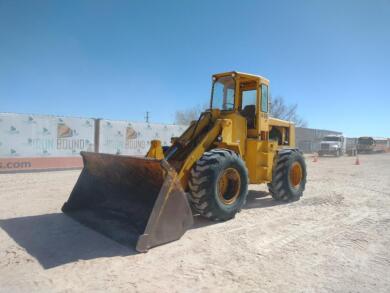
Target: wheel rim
(296, 174)
(229, 184)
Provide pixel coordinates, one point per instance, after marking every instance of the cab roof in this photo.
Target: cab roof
(242, 74)
(373, 137)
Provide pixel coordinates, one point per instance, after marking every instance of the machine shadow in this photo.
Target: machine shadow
(260, 199)
(55, 239)
(255, 200)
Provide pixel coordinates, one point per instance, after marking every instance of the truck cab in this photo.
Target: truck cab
(333, 144)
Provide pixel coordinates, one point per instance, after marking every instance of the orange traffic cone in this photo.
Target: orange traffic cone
(315, 158)
(357, 161)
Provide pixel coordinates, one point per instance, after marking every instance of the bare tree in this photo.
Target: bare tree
(184, 117)
(279, 109)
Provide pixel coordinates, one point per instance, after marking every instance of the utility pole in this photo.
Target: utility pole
(147, 117)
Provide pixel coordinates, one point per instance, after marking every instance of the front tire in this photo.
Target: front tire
(289, 176)
(218, 184)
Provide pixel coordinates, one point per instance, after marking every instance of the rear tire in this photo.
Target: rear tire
(218, 184)
(289, 176)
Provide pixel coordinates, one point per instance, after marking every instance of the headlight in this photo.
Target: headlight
(334, 146)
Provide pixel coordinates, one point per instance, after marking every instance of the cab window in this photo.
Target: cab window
(248, 98)
(248, 106)
(223, 94)
(264, 98)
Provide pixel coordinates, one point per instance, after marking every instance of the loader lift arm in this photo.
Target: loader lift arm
(208, 132)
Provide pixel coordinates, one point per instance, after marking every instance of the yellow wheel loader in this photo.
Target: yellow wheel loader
(145, 202)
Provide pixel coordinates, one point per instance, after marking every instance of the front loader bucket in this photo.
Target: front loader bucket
(135, 201)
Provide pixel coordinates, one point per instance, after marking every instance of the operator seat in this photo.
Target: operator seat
(249, 112)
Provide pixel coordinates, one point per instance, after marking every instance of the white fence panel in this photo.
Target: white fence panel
(133, 138)
(44, 136)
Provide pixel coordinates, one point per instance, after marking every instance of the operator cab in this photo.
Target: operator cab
(245, 94)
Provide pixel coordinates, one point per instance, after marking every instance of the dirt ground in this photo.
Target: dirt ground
(335, 239)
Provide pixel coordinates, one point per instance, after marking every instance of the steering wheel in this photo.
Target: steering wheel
(227, 103)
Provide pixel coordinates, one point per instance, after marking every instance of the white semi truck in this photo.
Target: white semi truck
(337, 145)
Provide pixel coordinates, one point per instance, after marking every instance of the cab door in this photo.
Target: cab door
(249, 106)
(263, 108)
(255, 107)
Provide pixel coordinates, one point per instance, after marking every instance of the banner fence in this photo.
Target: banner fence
(36, 142)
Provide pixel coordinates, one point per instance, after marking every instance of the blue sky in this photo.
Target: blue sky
(119, 59)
